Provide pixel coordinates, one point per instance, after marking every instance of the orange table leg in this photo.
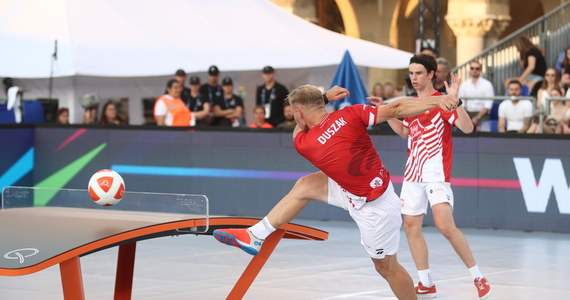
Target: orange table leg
(71, 279)
(125, 270)
(255, 265)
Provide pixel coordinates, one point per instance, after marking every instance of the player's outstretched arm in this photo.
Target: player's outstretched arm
(395, 124)
(412, 106)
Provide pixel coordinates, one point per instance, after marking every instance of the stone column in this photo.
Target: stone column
(472, 21)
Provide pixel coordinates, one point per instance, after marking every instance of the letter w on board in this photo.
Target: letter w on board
(536, 194)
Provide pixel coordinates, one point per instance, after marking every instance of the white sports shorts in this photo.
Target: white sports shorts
(379, 221)
(416, 195)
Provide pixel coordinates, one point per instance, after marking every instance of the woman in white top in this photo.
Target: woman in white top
(553, 122)
(551, 81)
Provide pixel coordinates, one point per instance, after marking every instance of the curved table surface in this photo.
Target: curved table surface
(61, 233)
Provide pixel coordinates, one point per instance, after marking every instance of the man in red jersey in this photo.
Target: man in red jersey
(352, 177)
(427, 176)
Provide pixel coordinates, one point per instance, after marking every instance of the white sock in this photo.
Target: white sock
(475, 273)
(262, 229)
(425, 277)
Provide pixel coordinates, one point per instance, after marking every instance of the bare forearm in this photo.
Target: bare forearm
(482, 113)
(160, 120)
(236, 113)
(410, 106)
(525, 126)
(201, 114)
(502, 125)
(526, 72)
(218, 112)
(398, 127)
(463, 122)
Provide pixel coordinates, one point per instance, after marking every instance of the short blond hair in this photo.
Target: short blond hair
(307, 95)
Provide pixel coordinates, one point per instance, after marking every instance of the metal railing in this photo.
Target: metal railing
(551, 33)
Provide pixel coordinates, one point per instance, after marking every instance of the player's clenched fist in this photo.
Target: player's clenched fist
(448, 103)
(337, 93)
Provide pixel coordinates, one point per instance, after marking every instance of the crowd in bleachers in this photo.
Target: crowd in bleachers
(534, 102)
(215, 103)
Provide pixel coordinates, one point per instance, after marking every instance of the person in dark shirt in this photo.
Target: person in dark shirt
(531, 61)
(180, 76)
(228, 109)
(271, 95)
(198, 104)
(442, 74)
(212, 89)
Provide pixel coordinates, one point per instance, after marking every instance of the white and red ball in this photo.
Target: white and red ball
(106, 187)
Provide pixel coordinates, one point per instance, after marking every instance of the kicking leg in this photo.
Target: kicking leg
(307, 188)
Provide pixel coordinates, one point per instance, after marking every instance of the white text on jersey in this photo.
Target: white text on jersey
(336, 125)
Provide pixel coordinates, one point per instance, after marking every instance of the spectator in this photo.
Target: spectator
(62, 116)
(378, 90)
(531, 61)
(549, 83)
(271, 94)
(566, 123)
(428, 51)
(90, 103)
(477, 86)
(211, 89)
(553, 123)
(441, 75)
(289, 117)
(170, 110)
(563, 60)
(514, 114)
(198, 104)
(90, 115)
(110, 115)
(565, 77)
(8, 83)
(180, 75)
(389, 91)
(228, 109)
(399, 91)
(259, 117)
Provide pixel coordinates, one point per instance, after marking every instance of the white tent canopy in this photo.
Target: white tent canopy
(150, 38)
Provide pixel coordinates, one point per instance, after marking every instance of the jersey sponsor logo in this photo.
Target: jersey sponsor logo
(376, 182)
(379, 251)
(336, 125)
(536, 193)
(415, 129)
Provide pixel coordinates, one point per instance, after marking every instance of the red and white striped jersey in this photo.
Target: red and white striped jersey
(429, 145)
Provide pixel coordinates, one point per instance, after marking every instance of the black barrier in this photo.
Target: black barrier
(499, 181)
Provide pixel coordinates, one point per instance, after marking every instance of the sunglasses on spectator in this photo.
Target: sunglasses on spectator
(475, 69)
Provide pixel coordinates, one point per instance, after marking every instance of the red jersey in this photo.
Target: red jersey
(341, 147)
(429, 145)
